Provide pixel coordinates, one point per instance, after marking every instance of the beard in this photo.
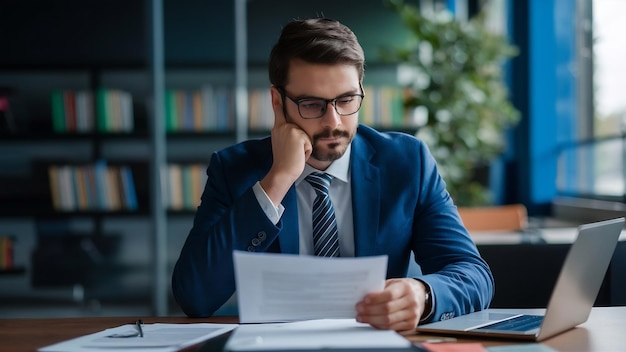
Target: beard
(333, 151)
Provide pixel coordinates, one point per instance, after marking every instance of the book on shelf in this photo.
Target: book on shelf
(82, 111)
(206, 109)
(53, 178)
(183, 186)
(115, 110)
(128, 185)
(174, 191)
(81, 188)
(197, 175)
(92, 187)
(72, 111)
(7, 252)
(261, 115)
(383, 106)
(114, 188)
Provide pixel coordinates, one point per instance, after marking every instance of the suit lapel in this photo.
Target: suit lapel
(366, 193)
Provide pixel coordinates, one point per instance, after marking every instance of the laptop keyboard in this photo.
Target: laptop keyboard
(521, 323)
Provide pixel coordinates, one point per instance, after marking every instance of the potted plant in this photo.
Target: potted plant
(456, 94)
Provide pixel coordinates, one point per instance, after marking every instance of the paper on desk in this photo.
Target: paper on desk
(157, 338)
(287, 287)
(313, 334)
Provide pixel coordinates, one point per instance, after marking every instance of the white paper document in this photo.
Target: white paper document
(287, 287)
(313, 335)
(156, 338)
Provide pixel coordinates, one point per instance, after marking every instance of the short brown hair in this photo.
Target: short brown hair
(317, 40)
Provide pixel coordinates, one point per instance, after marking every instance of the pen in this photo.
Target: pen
(138, 323)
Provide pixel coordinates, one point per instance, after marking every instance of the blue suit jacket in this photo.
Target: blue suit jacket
(400, 205)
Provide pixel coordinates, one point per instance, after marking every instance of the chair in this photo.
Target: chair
(513, 217)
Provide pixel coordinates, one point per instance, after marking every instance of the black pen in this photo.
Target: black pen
(138, 323)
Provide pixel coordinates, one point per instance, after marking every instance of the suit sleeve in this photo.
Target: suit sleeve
(228, 218)
(460, 279)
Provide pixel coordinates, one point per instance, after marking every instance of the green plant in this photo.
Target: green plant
(457, 94)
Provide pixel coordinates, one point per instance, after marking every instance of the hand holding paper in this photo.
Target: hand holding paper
(284, 287)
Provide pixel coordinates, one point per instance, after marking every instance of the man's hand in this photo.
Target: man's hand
(291, 148)
(398, 307)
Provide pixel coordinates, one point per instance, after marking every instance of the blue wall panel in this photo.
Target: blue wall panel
(547, 99)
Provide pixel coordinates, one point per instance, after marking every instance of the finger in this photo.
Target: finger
(393, 289)
(308, 148)
(405, 324)
(402, 320)
(382, 307)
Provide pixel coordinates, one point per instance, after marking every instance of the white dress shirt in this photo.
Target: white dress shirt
(340, 196)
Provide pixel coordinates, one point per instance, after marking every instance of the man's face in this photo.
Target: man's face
(332, 133)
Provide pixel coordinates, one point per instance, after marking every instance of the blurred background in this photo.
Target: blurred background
(110, 110)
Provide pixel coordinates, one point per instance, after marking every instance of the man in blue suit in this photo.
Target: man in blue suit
(386, 193)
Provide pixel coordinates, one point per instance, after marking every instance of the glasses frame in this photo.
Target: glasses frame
(333, 101)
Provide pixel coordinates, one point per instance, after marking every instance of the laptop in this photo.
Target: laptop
(571, 301)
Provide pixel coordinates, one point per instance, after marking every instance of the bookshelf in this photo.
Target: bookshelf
(78, 163)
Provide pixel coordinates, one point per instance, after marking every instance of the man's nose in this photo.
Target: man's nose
(331, 117)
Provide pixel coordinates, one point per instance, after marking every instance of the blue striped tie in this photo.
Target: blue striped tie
(325, 238)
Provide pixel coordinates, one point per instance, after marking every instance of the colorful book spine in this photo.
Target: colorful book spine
(128, 185)
(6, 253)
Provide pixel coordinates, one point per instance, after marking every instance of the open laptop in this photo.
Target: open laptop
(571, 301)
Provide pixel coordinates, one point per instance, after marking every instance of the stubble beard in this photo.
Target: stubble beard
(332, 151)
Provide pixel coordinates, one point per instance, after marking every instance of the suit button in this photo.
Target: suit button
(261, 235)
(251, 249)
(256, 242)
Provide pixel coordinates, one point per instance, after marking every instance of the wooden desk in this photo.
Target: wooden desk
(604, 331)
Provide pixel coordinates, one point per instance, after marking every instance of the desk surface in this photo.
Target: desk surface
(561, 235)
(604, 331)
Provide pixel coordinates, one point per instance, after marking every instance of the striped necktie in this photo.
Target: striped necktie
(325, 237)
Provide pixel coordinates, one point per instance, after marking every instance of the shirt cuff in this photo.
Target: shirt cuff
(273, 213)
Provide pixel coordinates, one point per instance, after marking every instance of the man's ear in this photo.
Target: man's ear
(277, 100)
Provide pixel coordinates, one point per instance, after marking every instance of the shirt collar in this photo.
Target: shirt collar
(338, 169)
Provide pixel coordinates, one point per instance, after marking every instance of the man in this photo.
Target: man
(385, 191)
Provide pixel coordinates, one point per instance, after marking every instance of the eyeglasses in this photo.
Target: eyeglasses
(314, 108)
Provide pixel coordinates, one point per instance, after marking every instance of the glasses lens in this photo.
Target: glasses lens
(348, 105)
(315, 108)
(312, 108)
